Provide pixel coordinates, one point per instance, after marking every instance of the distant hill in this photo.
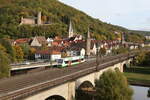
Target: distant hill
(141, 32)
(55, 12)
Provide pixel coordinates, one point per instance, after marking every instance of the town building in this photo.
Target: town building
(49, 54)
(39, 41)
(21, 41)
(147, 37)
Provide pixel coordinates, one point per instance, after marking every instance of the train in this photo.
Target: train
(69, 61)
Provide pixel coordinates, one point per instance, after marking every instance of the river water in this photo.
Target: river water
(140, 93)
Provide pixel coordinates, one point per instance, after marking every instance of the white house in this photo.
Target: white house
(49, 41)
(93, 49)
(82, 52)
(47, 54)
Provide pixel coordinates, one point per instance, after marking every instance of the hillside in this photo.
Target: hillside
(55, 12)
(141, 32)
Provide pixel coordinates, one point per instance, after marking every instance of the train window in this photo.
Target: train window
(66, 62)
(75, 61)
(59, 60)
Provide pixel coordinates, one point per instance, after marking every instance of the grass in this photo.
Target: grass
(138, 74)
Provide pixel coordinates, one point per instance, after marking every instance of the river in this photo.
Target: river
(140, 93)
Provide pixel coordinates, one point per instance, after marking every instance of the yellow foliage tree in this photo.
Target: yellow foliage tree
(19, 53)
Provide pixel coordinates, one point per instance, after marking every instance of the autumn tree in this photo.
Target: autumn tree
(9, 49)
(31, 53)
(102, 51)
(4, 63)
(113, 85)
(19, 53)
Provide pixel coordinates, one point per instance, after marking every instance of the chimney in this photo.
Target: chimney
(39, 22)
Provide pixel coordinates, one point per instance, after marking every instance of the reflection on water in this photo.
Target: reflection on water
(140, 93)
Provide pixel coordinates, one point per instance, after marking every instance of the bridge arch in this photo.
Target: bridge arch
(125, 66)
(88, 78)
(55, 97)
(82, 93)
(86, 84)
(56, 93)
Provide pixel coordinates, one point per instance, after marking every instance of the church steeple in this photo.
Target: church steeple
(71, 33)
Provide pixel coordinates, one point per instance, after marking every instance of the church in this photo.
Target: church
(72, 35)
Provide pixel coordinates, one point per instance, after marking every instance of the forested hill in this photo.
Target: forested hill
(141, 32)
(55, 12)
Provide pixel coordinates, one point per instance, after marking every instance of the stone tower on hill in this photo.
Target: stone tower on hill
(39, 21)
(88, 43)
(71, 32)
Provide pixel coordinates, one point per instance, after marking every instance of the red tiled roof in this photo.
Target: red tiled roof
(43, 52)
(48, 52)
(22, 40)
(41, 39)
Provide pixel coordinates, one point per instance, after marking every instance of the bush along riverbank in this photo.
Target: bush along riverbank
(138, 75)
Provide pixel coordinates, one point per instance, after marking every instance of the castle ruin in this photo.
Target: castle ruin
(32, 21)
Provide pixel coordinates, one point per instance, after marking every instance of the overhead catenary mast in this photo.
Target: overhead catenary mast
(88, 43)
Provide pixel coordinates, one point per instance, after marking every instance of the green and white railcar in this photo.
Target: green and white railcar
(68, 61)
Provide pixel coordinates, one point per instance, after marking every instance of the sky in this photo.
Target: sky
(131, 14)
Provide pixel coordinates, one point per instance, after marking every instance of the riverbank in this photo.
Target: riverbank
(138, 75)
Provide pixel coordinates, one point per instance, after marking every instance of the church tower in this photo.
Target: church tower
(71, 33)
(88, 43)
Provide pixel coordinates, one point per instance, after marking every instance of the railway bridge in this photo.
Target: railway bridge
(59, 83)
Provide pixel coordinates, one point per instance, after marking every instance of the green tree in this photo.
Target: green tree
(147, 59)
(26, 50)
(143, 58)
(120, 50)
(113, 85)
(140, 58)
